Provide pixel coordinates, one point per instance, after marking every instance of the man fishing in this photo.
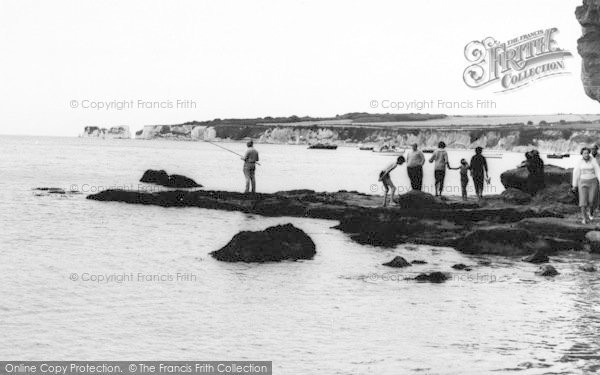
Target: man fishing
(250, 161)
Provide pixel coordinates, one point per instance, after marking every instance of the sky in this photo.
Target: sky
(61, 60)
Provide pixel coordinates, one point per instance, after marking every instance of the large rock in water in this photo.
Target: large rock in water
(397, 262)
(547, 270)
(553, 175)
(588, 46)
(282, 242)
(162, 178)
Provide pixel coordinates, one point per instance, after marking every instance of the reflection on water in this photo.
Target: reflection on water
(328, 315)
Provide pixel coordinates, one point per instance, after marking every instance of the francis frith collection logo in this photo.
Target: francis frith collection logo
(515, 63)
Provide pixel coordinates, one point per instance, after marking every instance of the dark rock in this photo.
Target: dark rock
(419, 262)
(555, 227)
(553, 175)
(461, 266)
(152, 176)
(179, 181)
(162, 178)
(397, 262)
(593, 240)
(515, 196)
(501, 240)
(537, 258)
(434, 277)
(547, 270)
(588, 46)
(281, 242)
(42, 191)
(416, 199)
(588, 268)
(556, 194)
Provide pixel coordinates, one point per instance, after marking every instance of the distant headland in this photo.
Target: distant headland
(557, 132)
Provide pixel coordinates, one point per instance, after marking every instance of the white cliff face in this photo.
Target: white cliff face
(203, 133)
(559, 139)
(115, 132)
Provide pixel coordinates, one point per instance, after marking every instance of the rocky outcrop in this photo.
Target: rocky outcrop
(162, 178)
(515, 196)
(501, 240)
(553, 175)
(588, 267)
(461, 267)
(274, 244)
(433, 277)
(556, 194)
(496, 228)
(588, 46)
(537, 258)
(397, 262)
(593, 240)
(547, 270)
(115, 132)
(47, 191)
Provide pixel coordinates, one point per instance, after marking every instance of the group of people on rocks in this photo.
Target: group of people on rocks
(415, 159)
(586, 174)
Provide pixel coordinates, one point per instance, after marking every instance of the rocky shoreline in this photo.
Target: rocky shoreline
(495, 226)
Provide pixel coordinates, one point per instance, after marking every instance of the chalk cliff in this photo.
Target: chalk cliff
(115, 132)
(550, 138)
(182, 132)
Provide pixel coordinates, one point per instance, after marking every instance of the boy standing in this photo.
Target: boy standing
(384, 176)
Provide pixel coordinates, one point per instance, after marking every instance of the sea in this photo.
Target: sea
(89, 280)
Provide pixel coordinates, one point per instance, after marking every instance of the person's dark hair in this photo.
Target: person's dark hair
(442, 144)
(400, 160)
(583, 149)
(250, 143)
(528, 155)
(478, 150)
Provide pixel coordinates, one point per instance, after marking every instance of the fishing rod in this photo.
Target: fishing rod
(226, 149)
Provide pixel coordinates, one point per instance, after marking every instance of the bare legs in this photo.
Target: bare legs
(250, 180)
(387, 189)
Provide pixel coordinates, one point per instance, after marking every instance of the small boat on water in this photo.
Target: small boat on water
(322, 146)
(428, 151)
(389, 150)
(558, 156)
(492, 156)
(366, 148)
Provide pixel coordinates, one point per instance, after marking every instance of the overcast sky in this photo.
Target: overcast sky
(261, 58)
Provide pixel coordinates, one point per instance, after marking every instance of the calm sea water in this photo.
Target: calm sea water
(340, 313)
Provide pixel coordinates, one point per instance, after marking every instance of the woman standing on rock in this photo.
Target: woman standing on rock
(586, 177)
(479, 171)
